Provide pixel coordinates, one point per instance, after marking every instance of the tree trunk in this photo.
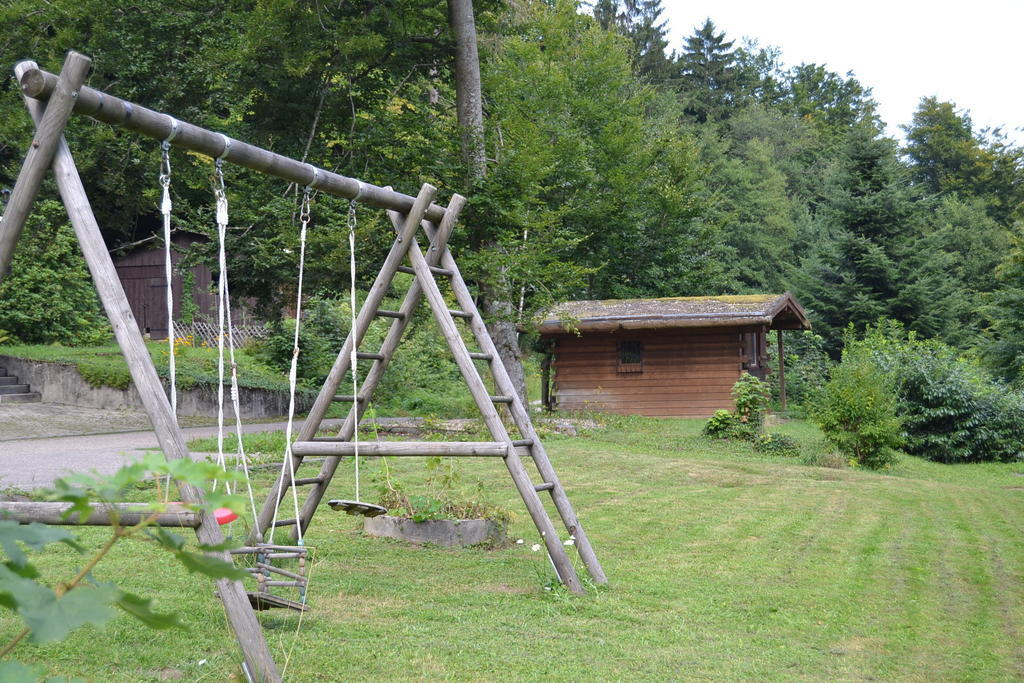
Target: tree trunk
(469, 107)
(468, 97)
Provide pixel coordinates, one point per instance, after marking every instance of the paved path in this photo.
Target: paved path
(27, 463)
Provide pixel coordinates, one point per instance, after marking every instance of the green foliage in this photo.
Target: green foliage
(753, 397)
(807, 369)
(52, 613)
(856, 410)
(952, 410)
(445, 496)
(48, 296)
(724, 425)
(775, 443)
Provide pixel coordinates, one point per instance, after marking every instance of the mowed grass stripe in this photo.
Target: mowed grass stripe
(724, 564)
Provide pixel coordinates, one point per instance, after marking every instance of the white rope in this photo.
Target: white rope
(226, 329)
(354, 361)
(165, 210)
(289, 463)
(222, 225)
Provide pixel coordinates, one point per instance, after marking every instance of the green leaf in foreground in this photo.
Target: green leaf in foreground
(34, 535)
(141, 609)
(210, 566)
(16, 672)
(50, 617)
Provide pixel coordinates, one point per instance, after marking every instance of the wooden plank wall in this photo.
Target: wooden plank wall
(686, 372)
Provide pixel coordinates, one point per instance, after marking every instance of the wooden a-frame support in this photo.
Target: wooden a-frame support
(65, 94)
(48, 147)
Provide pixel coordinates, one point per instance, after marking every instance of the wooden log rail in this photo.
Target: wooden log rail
(128, 514)
(39, 84)
(478, 449)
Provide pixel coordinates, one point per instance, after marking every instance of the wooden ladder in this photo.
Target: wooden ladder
(438, 261)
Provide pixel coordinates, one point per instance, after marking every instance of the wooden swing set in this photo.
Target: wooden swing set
(51, 99)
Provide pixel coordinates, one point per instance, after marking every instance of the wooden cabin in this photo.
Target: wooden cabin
(672, 357)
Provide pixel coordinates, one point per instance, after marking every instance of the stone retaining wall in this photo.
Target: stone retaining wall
(61, 383)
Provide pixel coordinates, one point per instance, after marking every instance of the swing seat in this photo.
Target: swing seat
(355, 507)
(264, 601)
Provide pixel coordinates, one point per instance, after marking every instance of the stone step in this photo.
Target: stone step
(14, 389)
(29, 397)
(8, 379)
(3, 372)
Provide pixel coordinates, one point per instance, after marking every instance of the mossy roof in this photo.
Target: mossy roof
(773, 310)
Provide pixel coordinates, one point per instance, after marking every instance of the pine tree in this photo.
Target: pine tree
(870, 259)
(710, 78)
(640, 21)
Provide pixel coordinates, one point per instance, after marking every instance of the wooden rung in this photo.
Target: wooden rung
(435, 270)
(282, 572)
(495, 449)
(523, 442)
(265, 548)
(293, 584)
(285, 522)
(307, 481)
(381, 313)
(546, 486)
(501, 399)
(459, 314)
(347, 398)
(369, 356)
(481, 356)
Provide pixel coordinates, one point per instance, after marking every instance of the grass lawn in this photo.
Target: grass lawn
(722, 564)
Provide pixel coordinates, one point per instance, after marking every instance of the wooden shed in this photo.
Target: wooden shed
(672, 357)
(141, 271)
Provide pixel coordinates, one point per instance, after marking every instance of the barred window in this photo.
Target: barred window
(631, 356)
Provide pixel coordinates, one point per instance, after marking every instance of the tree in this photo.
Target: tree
(640, 21)
(48, 296)
(948, 157)
(869, 258)
(709, 74)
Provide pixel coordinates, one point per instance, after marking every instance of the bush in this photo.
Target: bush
(723, 425)
(952, 410)
(856, 409)
(48, 296)
(777, 444)
(752, 397)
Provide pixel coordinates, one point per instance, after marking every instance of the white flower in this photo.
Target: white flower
(571, 541)
(286, 250)
(535, 547)
(547, 588)
(519, 541)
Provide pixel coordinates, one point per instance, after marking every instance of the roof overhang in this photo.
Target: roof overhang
(777, 312)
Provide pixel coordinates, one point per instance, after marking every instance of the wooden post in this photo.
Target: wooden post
(545, 382)
(140, 365)
(782, 374)
(44, 144)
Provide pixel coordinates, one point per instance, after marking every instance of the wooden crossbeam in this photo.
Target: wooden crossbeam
(103, 514)
(481, 449)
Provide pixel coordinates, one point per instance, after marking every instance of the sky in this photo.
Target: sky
(967, 53)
